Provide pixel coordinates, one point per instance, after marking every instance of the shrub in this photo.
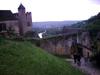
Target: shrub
(2, 39)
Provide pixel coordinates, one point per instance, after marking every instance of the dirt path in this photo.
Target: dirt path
(86, 67)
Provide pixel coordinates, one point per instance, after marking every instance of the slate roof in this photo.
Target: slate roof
(6, 15)
(21, 7)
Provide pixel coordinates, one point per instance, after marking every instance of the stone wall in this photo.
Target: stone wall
(13, 24)
(57, 46)
(86, 41)
(63, 45)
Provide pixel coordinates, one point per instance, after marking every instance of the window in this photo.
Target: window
(2, 27)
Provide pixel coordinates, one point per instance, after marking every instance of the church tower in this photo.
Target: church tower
(25, 20)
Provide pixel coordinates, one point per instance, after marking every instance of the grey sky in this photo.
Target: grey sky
(55, 10)
(96, 1)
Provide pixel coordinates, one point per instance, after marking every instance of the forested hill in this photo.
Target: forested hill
(92, 25)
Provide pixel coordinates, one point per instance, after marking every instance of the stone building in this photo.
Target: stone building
(8, 21)
(20, 22)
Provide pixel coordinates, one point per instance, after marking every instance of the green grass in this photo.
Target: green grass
(23, 58)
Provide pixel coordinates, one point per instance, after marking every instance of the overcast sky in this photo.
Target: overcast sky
(55, 10)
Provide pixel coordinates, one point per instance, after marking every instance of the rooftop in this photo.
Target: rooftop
(21, 7)
(6, 15)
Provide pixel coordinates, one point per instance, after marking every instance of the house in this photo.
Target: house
(20, 22)
(7, 21)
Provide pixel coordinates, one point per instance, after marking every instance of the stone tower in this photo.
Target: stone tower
(25, 20)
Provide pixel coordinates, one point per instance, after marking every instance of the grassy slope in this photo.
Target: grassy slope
(23, 58)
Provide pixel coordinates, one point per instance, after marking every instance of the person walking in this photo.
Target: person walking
(78, 59)
(73, 52)
(75, 58)
(79, 54)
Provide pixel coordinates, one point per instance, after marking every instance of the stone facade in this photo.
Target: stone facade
(58, 45)
(63, 45)
(24, 20)
(86, 42)
(20, 22)
(11, 24)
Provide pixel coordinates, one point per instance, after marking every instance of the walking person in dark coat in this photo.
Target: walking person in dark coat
(75, 58)
(79, 54)
(73, 52)
(78, 59)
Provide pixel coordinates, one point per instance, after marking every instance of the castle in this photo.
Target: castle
(20, 22)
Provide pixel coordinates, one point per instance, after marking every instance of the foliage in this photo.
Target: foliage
(31, 34)
(80, 24)
(2, 40)
(92, 24)
(23, 58)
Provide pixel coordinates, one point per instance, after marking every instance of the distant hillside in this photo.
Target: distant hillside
(23, 58)
(92, 25)
(52, 24)
(80, 24)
